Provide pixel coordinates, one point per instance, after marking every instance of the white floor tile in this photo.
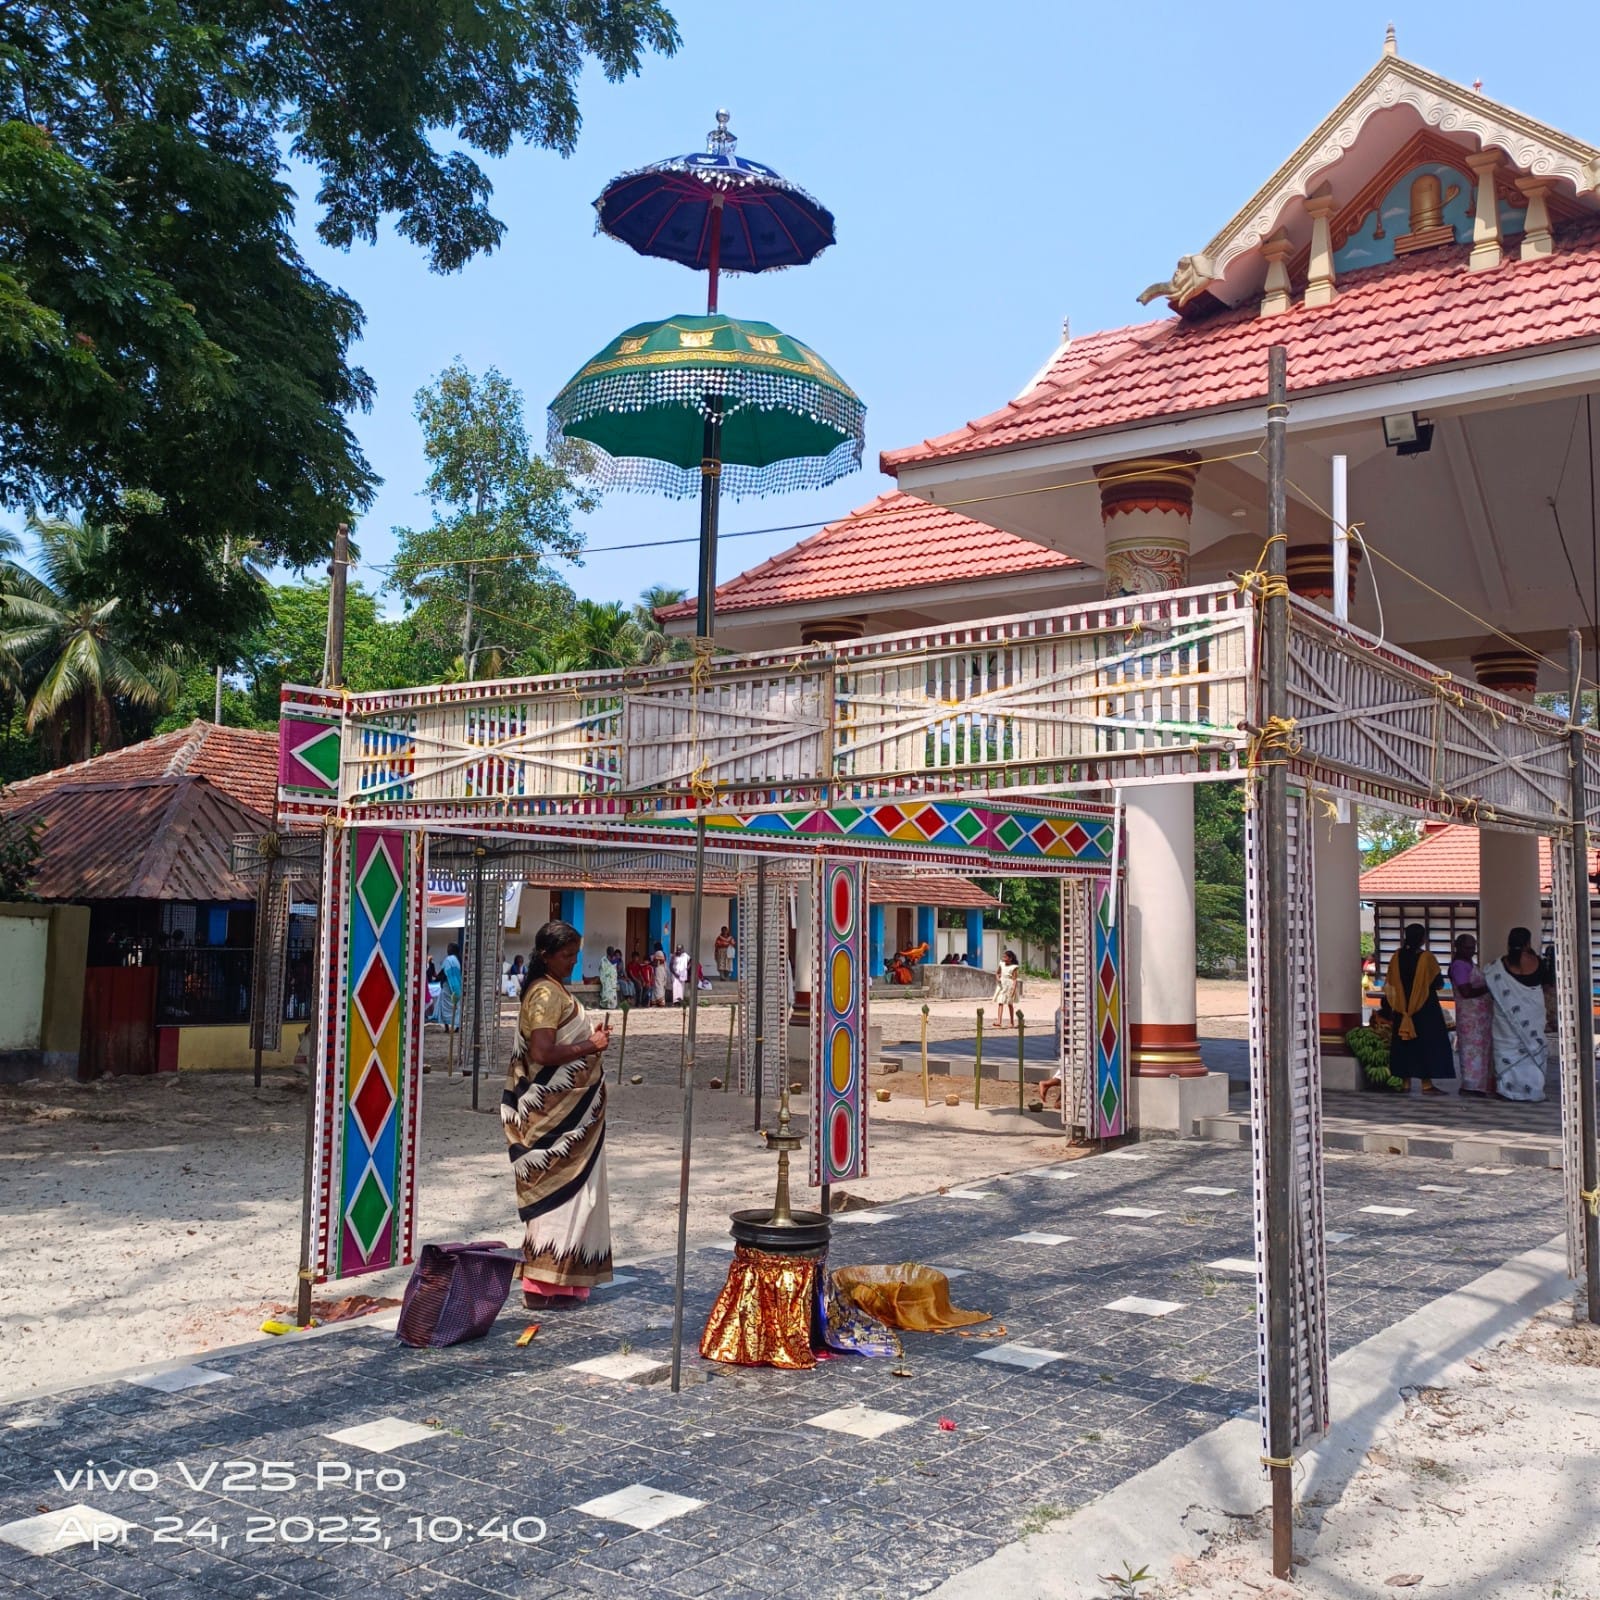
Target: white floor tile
(1337, 1238)
(178, 1378)
(60, 1530)
(634, 1367)
(949, 1272)
(1040, 1238)
(617, 1281)
(969, 1194)
(1125, 1155)
(861, 1421)
(1021, 1355)
(1206, 1188)
(1389, 1211)
(639, 1506)
(1056, 1174)
(719, 1244)
(1492, 1172)
(1137, 1306)
(1233, 1264)
(866, 1217)
(1443, 1188)
(1132, 1211)
(387, 1433)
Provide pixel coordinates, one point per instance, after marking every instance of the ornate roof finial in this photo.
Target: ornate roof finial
(1066, 330)
(719, 142)
(1390, 47)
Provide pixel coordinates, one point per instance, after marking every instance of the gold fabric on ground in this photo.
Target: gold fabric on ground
(905, 1296)
(763, 1316)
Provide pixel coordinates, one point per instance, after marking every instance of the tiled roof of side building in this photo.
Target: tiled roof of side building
(1418, 312)
(242, 762)
(1441, 865)
(893, 542)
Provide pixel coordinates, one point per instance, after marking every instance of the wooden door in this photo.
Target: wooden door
(119, 1021)
(637, 935)
(905, 927)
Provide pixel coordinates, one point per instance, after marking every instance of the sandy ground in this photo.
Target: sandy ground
(1484, 1491)
(148, 1218)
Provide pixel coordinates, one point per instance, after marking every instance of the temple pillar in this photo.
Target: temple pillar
(1537, 239)
(877, 932)
(1320, 290)
(1146, 506)
(974, 938)
(1336, 852)
(660, 924)
(928, 931)
(572, 907)
(1508, 862)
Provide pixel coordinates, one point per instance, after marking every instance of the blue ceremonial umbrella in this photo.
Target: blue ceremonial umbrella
(715, 212)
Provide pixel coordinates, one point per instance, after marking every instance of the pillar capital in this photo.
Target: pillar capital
(1506, 668)
(1310, 569)
(1145, 505)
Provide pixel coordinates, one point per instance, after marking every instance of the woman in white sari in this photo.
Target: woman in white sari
(1519, 1046)
(554, 1111)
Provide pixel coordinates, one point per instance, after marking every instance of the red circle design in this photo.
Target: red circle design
(841, 1138)
(843, 904)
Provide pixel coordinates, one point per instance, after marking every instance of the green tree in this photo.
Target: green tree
(599, 634)
(479, 572)
(160, 335)
(655, 643)
(67, 633)
(1219, 920)
(1384, 834)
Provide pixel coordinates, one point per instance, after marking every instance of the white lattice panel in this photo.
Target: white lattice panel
(1077, 1004)
(482, 1021)
(1308, 1355)
(272, 948)
(1563, 909)
(775, 984)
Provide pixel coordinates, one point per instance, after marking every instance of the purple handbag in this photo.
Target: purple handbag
(456, 1292)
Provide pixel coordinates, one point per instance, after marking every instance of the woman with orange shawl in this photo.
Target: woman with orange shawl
(1420, 1047)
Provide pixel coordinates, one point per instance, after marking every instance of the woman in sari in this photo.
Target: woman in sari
(448, 1006)
(1420, 1047)
(608, 984)
(1516, 985)
(1474, 1018)
(554, 1111)
(658, 980)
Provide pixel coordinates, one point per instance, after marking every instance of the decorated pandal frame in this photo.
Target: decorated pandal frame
(375, 880)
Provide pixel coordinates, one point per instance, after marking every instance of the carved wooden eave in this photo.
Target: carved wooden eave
(1531, 148)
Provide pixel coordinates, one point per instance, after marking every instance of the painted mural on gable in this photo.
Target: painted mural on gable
(1430, 205)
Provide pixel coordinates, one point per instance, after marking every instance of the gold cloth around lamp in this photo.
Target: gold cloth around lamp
(763, 1316)
(906, 1295)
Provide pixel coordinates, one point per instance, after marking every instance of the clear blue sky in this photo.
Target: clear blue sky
(993, 168)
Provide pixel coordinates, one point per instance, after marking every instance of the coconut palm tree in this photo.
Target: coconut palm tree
(600, 633)
(655, 644)
(64, 632)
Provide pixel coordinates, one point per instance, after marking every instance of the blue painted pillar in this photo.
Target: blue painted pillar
(974, 938)
(876, 919)
(571, 907)
(733, 929)
(928, 930)
(660, 924)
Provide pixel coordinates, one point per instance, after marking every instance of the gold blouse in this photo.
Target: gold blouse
(545, 1005)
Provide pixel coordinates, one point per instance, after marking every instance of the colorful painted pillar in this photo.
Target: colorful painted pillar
(928, 930)
(572, 907)
(1146, 506)
(369, 1050)
(839, 1024)
(877, 932)
(974, 938)
(660, 924)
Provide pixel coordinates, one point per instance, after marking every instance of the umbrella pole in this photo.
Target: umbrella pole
(710, 498)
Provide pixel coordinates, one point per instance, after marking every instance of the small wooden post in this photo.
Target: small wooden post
(1022, 1098)
(924, 1056)
(683, 1043)
(622, 1045)
(727, 1071)
(977, 1067)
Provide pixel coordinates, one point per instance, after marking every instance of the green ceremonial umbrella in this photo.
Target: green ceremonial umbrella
(665, 398)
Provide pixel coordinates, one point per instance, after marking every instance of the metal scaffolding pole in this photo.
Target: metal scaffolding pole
(1582, 958)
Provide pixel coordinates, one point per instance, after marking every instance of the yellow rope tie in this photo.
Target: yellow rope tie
(1443, 687)
(1261, 583)
(1591, 1198)
(1278, 1461)
(710, 467)
(702, 787)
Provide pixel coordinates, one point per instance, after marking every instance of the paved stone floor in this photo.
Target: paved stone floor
(1129, 1330)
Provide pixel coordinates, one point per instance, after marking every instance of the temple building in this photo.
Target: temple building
(1430, 259)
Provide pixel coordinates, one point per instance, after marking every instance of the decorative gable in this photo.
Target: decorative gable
(1407, 162)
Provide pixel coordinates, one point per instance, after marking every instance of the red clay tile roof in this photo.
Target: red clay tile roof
(242, 762)
(1420, 311)
(139, 839)
(1442, 865)
(894, 542)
